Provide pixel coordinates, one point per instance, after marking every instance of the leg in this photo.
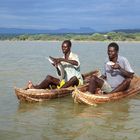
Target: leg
(72, 82)
(95, 83)
(123, 86)
(49, 80)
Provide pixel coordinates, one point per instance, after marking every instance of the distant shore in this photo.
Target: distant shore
(71, 40)
(106, 37)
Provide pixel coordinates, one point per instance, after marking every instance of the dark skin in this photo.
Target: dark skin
(113, 56)
(96, 82)
(66, 51)
(50, 80)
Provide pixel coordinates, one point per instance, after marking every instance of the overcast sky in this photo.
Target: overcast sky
(101, 15)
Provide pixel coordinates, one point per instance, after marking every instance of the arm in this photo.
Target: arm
(103, 76)
(73, 62)
(124, 72)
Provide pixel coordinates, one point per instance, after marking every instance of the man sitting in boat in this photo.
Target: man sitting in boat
(117, 76)
(71, 70)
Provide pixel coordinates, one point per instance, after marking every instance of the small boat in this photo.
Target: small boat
(82, 96)
(38, 95)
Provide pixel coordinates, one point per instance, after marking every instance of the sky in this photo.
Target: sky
(100, 15)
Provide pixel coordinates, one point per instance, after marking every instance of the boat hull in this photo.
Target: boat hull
(38, 95)
(84, 97)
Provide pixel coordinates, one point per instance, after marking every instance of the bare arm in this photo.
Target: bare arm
(125, 73)
(58, 60)
(103, 76)
(73, 62)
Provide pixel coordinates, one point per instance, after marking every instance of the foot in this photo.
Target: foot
(99, 91)
(30, 85)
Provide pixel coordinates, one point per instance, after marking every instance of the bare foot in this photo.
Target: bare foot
(99, 91)
(30, 85)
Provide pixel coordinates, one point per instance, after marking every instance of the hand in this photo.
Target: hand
(116, 66)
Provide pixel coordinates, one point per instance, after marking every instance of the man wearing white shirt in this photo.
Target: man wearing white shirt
(71, 65)
(117, 76)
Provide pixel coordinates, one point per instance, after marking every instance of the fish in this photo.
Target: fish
(59, 68)
(110, 63)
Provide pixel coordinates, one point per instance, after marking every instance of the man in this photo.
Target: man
(71, 65)
(117, 76)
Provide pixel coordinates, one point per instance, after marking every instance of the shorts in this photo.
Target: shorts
(106, 87)
(80, 81)
(62, 82)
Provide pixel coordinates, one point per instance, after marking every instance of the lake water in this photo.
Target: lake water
(62, 119)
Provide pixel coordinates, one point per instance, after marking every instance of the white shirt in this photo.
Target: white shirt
(72, 70)
(114, 77)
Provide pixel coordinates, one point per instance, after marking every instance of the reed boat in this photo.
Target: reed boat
(38, 95)
(82, 96)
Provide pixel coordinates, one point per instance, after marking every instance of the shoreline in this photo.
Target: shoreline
(71, 41)
(95, 37)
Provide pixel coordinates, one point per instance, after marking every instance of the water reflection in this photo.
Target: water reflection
(108, 109)
(25, 107)
(62, 119)
(110, 118)
(28, 107)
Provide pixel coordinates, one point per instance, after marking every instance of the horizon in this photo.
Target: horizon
(81, 30)
(101, 15)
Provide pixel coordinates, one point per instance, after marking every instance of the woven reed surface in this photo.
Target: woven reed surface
(84, 97)
(36, 95)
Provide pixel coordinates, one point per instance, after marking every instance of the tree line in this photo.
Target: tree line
(113, 36)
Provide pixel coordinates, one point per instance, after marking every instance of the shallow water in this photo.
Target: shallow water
(61, 118)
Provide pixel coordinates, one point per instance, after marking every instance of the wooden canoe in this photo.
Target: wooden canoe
(81, 95)
(37, 95)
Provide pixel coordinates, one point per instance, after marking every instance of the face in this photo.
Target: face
(65, 48)
(112, 53)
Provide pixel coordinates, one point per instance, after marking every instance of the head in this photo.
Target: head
(113, 50)
(66, 46)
